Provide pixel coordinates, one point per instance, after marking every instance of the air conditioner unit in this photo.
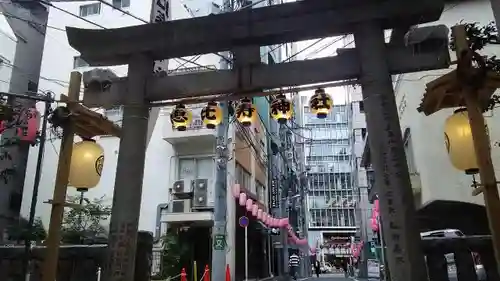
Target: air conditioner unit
(181, 206)
(182, 189)
(203, 194)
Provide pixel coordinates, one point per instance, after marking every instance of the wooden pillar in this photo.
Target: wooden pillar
(59, 198)
(481, 141)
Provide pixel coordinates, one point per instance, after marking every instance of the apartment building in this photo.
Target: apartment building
(171, 155)
(332, 195)
(432, 174)
(21, 40)
(8, 42)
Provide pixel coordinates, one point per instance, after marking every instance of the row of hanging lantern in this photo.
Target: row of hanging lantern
(281, 110)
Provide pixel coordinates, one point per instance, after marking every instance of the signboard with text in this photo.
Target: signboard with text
(274, 200)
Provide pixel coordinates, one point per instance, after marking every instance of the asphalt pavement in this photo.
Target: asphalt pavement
(329, 277)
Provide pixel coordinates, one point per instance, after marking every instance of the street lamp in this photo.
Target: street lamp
(459, 142)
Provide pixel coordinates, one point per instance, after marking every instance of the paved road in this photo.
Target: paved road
(329, 277)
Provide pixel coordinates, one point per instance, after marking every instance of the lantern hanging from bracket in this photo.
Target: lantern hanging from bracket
(459, 143)
(281, 109)
(211, 115)
(321, 103)
(246, 112)
(86, 166)
(181, 117)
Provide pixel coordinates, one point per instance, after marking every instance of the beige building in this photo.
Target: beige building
(433, 176)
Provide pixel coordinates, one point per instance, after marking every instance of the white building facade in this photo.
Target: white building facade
(8, 42)
(171, 155)
(432, 174)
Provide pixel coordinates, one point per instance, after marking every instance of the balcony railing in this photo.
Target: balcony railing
(465, 265)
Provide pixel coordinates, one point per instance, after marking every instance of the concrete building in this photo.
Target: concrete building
(23, 48)
(171, 156)
(8, 42)
(359, 137)
(332, 193)
(432, 174)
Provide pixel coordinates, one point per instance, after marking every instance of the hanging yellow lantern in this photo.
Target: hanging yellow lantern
(181, 117)
(281, 109)
(211, 115)
(246, 112)
(459, 143)
(320, 103)
(86, 165)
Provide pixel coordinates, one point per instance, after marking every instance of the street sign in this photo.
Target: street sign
(219, 242)
(244, 221)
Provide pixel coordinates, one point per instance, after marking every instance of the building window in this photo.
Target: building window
(196, 168)
(79, 62)
(90, 9)
(260, 191)
(121, 3)
(114, 114)
(361, 107)
(244, 178)
(408, 146)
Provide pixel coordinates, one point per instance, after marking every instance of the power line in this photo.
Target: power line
(123, 11)
(31, 21)
(100, 26)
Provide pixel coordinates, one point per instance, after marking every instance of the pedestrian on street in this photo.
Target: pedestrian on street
(317, 268)
(293, 263)
(344, 267)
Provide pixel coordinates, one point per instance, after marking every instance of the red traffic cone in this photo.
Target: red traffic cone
(228, 273)
(206, 274)
(183, 274)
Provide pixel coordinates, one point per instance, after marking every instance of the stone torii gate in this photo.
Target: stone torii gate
(371, 63)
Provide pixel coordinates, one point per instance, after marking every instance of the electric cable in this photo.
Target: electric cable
(100, 26)
(31, 21)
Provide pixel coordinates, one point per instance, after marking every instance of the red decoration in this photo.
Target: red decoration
(26, 123)
(183, 274)
(206, 274)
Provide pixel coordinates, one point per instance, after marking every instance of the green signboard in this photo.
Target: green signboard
(219, 242)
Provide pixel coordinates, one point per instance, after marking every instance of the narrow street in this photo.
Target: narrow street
(329, 277)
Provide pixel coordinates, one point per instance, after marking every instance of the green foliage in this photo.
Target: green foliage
(85, 222)
(478, 38)
(20, 231)
(171, 255)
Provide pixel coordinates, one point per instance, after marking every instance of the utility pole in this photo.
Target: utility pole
(220, 193)
(62, 176)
